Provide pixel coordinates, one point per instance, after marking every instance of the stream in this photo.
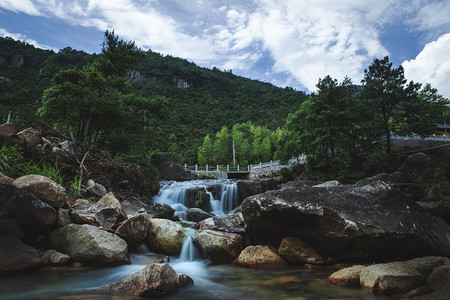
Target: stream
(210, 281)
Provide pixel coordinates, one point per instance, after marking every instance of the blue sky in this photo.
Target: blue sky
(285, 42)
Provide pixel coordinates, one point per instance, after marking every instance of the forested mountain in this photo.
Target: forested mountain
(194, 101)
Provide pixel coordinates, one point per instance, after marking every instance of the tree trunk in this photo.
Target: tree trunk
(87, 129)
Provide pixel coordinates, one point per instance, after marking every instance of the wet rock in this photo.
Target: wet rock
(197, 215)
(31, 212)
(109, 200)
(44, 188)
(425, 265)
(11, 226)
(63, 218)
(133, 206)
(288, 282)
(298, 252)
(31, 136)
(261, 257)
(16, 256)
(53, 257)
(247, 188)
(184, 280)
(438, 282)
(268, 184)
(135, 230)
(5, 179)
(230, 223)
(391, 278)
(345, 222)
(198, 197)
(153, 280)
(94, 214)
(220, 247)
(165, 236)
(347, 276)
(89, 244)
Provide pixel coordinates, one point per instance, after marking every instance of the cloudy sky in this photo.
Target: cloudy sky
(285, 42)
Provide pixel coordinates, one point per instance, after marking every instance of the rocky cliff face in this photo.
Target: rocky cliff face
(16, 61)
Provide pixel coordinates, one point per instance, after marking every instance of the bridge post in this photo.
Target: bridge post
(250, 167)
(271, 165)
(196, 167)
(185, 167)
(206, 169)
(238, 168)
(218, 168)
(228, 168)
(260, 165)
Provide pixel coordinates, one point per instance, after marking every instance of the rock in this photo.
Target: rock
(425, 265)
(31, 212)
(55, 258)
(438, 281)
(198, 197)
(63, 218)
(391, 278)
(90, 244)
(392, 178)
(97, 189)
(81, 201)
(11, 226)
(44, 188)
(7, 130)
(230, 223)
(346, 222)
(16, 256)
(298, 252)
(197, 215)
(247, 188)
(268, 184)
(31, 136)
(347, 276)
(220, 247)
(261, 257)
(170, 170)
(5, 179)
(417, 168)
(109, 200)
(288, 282)
(153, 280)
(135, 230)
(132, 206)
(94, 214)
(184, 280)
(328, 184)
(165, 236)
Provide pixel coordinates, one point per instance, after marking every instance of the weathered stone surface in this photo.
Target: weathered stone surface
(94, 214)
(44, 188)
(31, 136)
(11, 226)
(391, 278)
(425, 265)
(63, 218)
(347, 276)
(247, 188)
(135, 230)
(153, 280)
(220, 247)
(391, 178)
(268, 184)
(53, 257)
(109, 200)
(298, 252)
(5, 179)
(261, 257)
(97, 189)
(7, 130)
(165, 236)
(291, 283)
(330, 183)
(90, 244)
(184, 280)
(230, 223)
(31, 212)
(416, 167)
(133, 206)
(197, 215)
(438, 281)
(346, 222)
(16, 256)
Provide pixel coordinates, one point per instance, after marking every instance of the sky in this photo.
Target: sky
(284, 42)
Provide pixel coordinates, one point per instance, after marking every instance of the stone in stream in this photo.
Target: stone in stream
(44, 188)
(197, 214)
(298, 252)
(233, 223)
(90, 244)
(135, 230)
(109, 200)
(261, 257)
(220, 247)
(94, 214)
(153, 280)
(132, 206)
(16, 256)
(165, 236)
(347, 276)
(438, 282)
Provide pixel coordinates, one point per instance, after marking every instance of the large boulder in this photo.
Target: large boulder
(31, 136)
(94, 214)
(90, 244)
(44, 188)
(165, 236)
(261, 257)
(197, 215)
(109, 200)
(132, 206)
(348, 222)
(247, 188)
(135, 230)
(425, 265)
(298, 252)
(5, 179)
(11, 226)
(418, 168)
(31, 212)
(153, 280)
(16, 256)
(230, 223)
(391, 278)
(347, 276)
(438, 282)
(220, 247)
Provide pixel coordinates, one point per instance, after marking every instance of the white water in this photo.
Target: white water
(174, 194)
(189, 252)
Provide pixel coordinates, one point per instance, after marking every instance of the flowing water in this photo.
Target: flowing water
(210, 281)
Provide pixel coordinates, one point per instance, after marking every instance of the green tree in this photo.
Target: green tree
(205, 151)
(222, 147)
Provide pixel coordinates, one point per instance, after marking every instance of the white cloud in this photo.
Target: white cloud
(20, 6)
(21, 37)
(432, 65)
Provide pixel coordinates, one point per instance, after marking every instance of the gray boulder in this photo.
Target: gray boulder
(298, 252)
(94, 214)
(63, 218)
(247, 188)
(347, 276)
(165, 236)
(90, 244)
(438, 282)
(11, 226)
(418, 168)
(233, 223)
(135, 230)
(261, 257)
(132, 206)
(197, 215)
(220, 247)
(153, 280)
(109, 200)
(425, 265)
(16, 256)
(347, 222)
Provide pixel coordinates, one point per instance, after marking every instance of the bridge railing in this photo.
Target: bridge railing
(216, 168)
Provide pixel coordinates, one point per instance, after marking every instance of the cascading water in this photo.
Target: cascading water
(189, 252)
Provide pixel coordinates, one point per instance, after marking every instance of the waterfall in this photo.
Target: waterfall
(189, 252)
(174, 195)
(228, 197)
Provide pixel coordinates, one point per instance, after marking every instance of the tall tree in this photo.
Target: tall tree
(222, 147)
(205, 152)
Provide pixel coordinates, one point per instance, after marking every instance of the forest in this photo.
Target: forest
(137, 104)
